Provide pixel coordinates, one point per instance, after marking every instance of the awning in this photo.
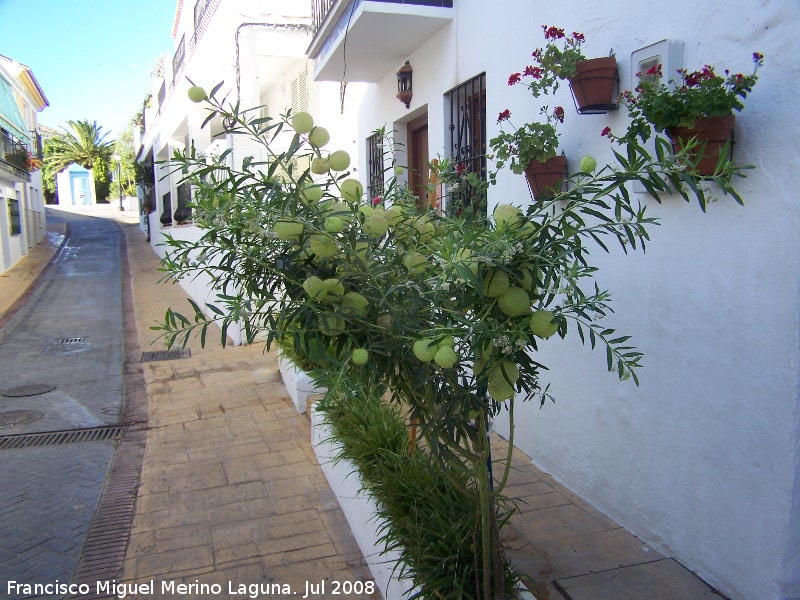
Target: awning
(9, 112)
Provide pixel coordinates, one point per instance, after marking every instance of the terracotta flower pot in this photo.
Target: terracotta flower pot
(594, 85)
(712, 133)
(545, 179)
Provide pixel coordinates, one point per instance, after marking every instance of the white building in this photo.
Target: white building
(22, 218)
(701, 461)
(256, 49)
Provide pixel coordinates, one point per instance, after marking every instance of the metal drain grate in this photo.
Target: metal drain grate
(52, 438)
(72, 340)
(166, 355)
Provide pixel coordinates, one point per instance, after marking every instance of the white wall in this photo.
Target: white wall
(702, 459)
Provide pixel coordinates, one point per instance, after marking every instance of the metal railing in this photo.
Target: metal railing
(14, 155)
(320, 10)
(162, 94)
(177, 60)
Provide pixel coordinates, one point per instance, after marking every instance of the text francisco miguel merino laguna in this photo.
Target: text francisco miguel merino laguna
(250, 590)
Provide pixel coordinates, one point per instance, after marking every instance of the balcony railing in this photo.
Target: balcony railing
(162, 94)
(319, 10)
(14, 155)
(177, 60)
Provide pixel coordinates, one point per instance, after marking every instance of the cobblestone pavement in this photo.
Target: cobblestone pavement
(47, 499)
(68, 334)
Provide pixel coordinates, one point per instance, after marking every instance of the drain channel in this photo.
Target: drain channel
(52, 438)
(166, 355)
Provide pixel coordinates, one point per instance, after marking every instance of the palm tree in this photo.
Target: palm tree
(86, 146)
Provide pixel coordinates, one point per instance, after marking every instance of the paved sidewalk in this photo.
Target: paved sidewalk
(230, 489)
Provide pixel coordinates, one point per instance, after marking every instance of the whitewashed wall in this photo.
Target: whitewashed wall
(702, 460)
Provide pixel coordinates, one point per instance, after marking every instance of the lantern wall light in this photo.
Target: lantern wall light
(404, 90)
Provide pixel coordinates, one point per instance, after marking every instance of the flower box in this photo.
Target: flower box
(298, 383)
(359, 509)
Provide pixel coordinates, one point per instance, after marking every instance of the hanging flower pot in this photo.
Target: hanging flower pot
(595, 85)
(714, 136)
(545, 179)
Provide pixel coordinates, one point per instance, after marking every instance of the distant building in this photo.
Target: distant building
(75, 186)
(257, 48)
(22, 219)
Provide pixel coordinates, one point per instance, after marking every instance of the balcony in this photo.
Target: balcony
(14, 156)
(177, 59)
(379, 35)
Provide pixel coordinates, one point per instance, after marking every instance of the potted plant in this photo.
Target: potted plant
(592, 80)
(697, 114)
(532, 149)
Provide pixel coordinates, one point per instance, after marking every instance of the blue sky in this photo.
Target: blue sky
(92, 58)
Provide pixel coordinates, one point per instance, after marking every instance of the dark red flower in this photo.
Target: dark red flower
(537, 54)
(504, 116)
(376, 200)
(552, 33)
(461, 168)
(558, 114)
(578, 37)
(758, 58)
(606, 131)
(655, 70)
(535, 72)
(514, 78)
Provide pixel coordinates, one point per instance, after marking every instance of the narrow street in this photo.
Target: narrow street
(61, 369)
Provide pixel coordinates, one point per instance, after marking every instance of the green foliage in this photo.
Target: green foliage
(85, 145)
(703, 93)
(123, 147)
(430, 522)
(556, 61)
(532, 141)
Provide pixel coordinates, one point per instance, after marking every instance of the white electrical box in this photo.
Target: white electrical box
(667, 53)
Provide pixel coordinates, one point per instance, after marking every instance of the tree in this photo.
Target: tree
(445, 312)
(85, 145)
(123, 148)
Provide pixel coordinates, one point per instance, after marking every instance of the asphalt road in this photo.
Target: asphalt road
(69, 336)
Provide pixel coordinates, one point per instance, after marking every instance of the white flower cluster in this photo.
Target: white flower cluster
(504, 344)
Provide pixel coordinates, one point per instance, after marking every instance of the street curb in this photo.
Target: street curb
(37, 281)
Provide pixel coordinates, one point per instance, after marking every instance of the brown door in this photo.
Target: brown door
(418, 158)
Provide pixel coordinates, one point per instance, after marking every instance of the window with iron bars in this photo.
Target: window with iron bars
(466, 104)
(375, 165)
(183, 212)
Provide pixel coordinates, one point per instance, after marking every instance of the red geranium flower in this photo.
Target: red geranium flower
(606, 131)
(514, 78)
(552, 32)
(535, 72)
(504, 116)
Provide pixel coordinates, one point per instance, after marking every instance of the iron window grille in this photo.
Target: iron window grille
(375, 165)
(183, 212)
(166, 216)
(468, 145)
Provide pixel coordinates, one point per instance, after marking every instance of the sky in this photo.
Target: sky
(92, 58)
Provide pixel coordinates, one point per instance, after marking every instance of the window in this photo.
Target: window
(375, 165)
(14, 222)
(300, 92)
(467, 128)
(183, 212)
(166, 216)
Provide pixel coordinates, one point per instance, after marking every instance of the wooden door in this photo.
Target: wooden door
(418, 158)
